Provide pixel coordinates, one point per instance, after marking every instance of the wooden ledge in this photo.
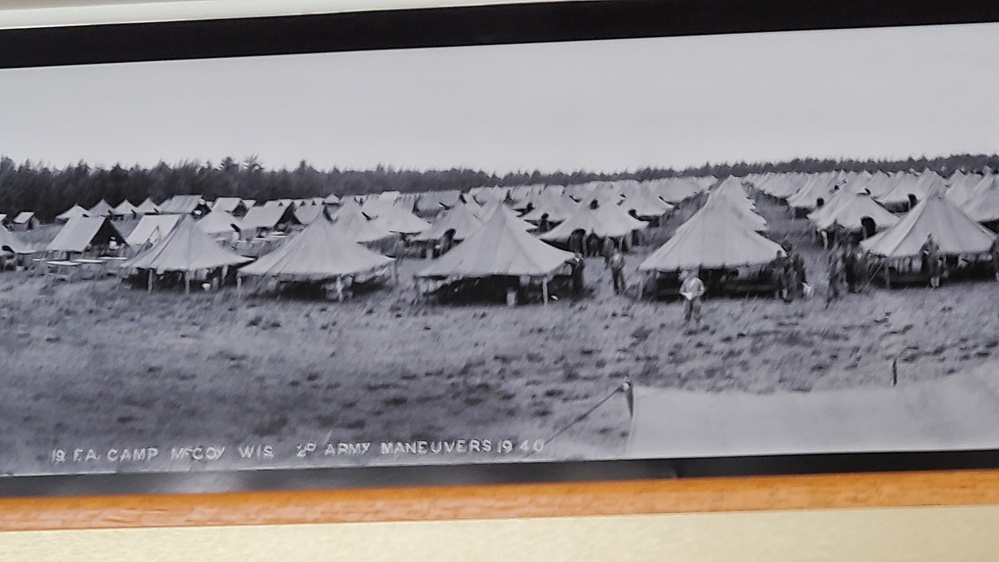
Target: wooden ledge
(504, 501)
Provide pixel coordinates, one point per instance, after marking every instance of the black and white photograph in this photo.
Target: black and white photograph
(776, 243)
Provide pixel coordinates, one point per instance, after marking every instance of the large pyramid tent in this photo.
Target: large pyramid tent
(714, 238)
(605, 220)
(151, 229)
(460, 219)
(954, 232)
(983, 204)
(400, 220)
(644, 203)
(318, 253)
(217, 223)
(850, 213)
(186, 248)
(500, 247)
(351, 222)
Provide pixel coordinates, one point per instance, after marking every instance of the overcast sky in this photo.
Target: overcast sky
(603, 106)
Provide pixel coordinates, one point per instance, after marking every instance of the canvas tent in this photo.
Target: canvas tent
(433, 201)
(307, 214)
(147, 207)
(713, 238)
(399, 220)
(218, 224)
(231, 205)
(607, 220)
(850, 213)
(259, 220)
(10, 244)
(101, 209)
(25, 220)
(187, 250)
(71, 213)
(459, 219)
(501, 248)
(83, 234)
(559, 208)
(954, 232)
(124, 210)
(983, 203)
(352, 223)
(643, 203)
(318, 253)
(183, 205)
(150, 230)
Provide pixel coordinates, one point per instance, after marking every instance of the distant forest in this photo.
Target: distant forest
(48, 192)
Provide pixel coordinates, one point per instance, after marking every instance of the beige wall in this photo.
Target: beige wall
(933, 534)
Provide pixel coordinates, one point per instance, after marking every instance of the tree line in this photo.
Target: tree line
(50, 191)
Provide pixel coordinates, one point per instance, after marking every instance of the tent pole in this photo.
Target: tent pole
(239, 285)
(544, 290)
(149, 282)
(187, 283)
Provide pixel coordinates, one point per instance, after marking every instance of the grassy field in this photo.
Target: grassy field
(94, 364)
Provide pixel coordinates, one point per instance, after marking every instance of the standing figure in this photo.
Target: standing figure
(776, 269)
(592, 245)
(800, 275)
(576, 242)
(995, 256)
(836, 275)
(616, 265)
(608, 249)
(790, 281)
(692, 290)
(578, 265)
(850, 269)
(930, 252)
(544, 225)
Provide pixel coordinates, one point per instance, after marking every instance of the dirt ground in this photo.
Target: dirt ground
(94, 364)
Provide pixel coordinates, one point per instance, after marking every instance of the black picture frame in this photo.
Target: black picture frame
(467, 26)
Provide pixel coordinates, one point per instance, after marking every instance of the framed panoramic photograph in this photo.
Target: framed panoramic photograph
(531, 243)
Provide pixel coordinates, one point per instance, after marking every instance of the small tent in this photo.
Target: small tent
(10, 244)
(124, 210)
(83, 234)
(24, 221)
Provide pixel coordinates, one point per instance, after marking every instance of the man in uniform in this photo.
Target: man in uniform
(692, 290)
(616, 265)
(931, 260)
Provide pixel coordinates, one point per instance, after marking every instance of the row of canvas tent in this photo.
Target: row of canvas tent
(975, 194)
(955, 214)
